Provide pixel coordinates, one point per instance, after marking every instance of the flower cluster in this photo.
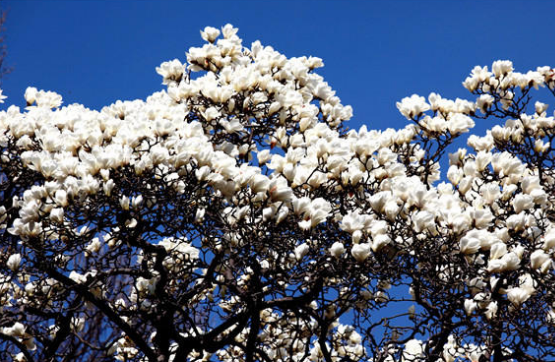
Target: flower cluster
(234, 217)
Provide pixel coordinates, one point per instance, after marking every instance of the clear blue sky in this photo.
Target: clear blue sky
(375, 52)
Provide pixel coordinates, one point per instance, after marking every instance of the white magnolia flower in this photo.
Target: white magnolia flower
(491, 310)
(470, 306)
(414, 350)
(361, 252)
(502, 67)
(379, 241)
(459, 123)
(57, 215)
(509, 262)
(337, 249)
(519, 295)
(17, 330)
(498, 250)
(522, 202)
(301, 251)
(413, 106)
(469, 245)
(13, 262)
(210, 34)
(539, 259)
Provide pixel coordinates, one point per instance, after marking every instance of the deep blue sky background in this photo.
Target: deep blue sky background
(375, 52)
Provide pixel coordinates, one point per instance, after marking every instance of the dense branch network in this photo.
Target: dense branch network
(233, 217)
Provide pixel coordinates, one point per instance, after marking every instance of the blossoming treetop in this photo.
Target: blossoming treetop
(234, 217)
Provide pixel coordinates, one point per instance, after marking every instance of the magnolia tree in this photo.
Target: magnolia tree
(234, 217)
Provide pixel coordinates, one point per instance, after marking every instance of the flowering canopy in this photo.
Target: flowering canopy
(234, 217)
